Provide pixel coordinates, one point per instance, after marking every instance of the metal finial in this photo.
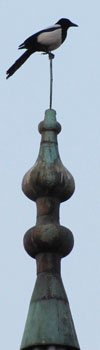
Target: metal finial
(51, 56)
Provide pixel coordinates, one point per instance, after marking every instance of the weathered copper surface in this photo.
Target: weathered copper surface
(49, 323)
(48, 176)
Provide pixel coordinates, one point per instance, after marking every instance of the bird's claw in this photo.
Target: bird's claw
(51, 55)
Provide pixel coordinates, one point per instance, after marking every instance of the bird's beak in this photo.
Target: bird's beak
(73, 25)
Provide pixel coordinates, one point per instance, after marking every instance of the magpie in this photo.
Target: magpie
(45, 41)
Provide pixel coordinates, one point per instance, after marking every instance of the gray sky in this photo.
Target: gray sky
(24, 98)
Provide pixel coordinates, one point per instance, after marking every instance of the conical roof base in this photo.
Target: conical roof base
(49, 320)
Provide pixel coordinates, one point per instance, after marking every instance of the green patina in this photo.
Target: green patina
(48, 182)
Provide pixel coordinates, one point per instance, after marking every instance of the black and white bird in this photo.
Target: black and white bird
(45, 41)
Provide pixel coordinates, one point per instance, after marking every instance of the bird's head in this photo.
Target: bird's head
(66, 23)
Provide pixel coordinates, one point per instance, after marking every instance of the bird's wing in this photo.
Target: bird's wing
(49, 29)
(33, 39)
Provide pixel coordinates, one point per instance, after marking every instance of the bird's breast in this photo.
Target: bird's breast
(51, 39)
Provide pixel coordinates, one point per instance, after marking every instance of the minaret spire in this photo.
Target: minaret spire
(48, 183)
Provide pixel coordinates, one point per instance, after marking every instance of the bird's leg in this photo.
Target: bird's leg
(51, 56)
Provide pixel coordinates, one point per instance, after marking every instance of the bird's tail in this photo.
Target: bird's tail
(18, 63)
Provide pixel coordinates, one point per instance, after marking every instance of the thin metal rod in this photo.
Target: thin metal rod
(51, 56)
(51, 83)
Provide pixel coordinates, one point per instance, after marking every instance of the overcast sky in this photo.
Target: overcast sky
(76, 99)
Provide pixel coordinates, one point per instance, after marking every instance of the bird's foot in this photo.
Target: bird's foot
(51, 55)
